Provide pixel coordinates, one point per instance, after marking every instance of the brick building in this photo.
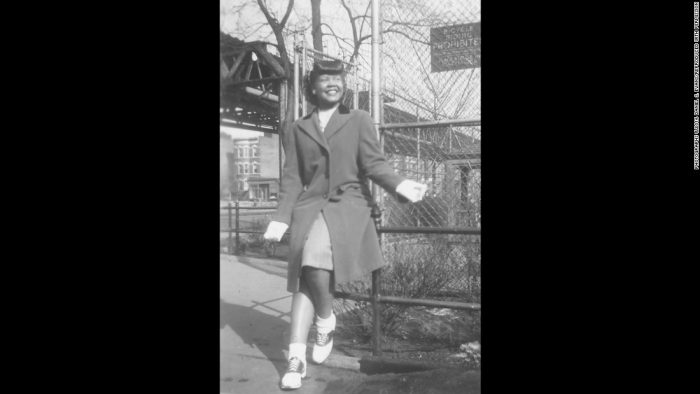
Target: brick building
(227, 174)
(250, 167)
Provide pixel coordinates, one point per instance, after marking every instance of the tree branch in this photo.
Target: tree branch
(337, 38)
(365, 16)
(406, 35)
(277, 30)
(462, 102)
(287, 13)
(430, 84)
(352, 21)
(247, 34)
(270, 19)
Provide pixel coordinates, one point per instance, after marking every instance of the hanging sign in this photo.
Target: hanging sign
(455, 47)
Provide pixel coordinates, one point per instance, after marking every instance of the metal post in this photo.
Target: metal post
(376, 215)
(376, 314)
(280, 132)
(419, 164)
(370, 101)
(230, 227)
(449, 134)
(296, 79)
(379, 196)
(376, 116)
(238, 235)
(303, 75)
(376, 66)
(376, 77)
(355, 93)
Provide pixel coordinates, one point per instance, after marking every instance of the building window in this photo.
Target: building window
(255, 168)
(245, 168)
(254, 149)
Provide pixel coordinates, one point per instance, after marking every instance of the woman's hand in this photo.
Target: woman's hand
(275, 231)
(413, 191)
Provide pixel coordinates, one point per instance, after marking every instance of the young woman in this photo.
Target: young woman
(325, 198)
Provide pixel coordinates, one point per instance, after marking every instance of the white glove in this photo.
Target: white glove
(413, 191)
(275, 231)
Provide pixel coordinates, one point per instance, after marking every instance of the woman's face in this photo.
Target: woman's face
(328, 89)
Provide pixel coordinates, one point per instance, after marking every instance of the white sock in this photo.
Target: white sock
(297, 350)
(324, 326)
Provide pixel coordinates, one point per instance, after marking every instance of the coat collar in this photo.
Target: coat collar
(309, 124)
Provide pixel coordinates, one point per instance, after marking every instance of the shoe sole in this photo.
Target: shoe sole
(286, 388)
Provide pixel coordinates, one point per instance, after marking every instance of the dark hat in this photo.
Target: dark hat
(326, 67)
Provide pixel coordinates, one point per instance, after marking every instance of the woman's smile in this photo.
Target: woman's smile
(329, 88)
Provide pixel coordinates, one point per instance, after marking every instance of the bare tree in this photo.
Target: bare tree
(413, 32)
(316, 34)
(357, 39)
(278, 27)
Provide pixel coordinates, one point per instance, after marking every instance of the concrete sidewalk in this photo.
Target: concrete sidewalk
(254, 319)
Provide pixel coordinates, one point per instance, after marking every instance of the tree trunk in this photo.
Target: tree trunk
(278, 28)
(316, 24)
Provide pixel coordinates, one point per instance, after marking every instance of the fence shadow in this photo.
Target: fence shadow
(266, 265)
(261, 330)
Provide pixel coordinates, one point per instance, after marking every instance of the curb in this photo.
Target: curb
(333, 361)
(372, 365)
(343, 362)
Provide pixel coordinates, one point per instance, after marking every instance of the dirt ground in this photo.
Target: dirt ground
(426, 382)
(424, 334)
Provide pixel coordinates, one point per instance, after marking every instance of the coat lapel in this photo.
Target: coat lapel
(309, 125)
(339, 118)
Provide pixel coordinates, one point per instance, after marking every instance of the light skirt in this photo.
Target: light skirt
(317, 248)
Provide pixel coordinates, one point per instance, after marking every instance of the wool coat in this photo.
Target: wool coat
(327, 172)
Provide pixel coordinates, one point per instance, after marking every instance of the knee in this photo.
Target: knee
(309, 274)
(315, 276)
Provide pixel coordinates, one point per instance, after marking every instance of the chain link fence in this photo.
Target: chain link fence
(420, 79)
(432, 134)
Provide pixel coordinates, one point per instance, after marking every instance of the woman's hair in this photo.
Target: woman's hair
(323, 67)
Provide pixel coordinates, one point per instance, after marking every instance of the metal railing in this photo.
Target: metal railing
(233, 215)
(375, 298)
